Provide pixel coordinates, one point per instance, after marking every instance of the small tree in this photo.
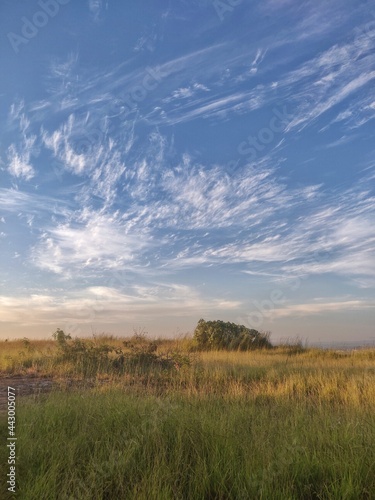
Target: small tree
(229, 336)
(61, 338)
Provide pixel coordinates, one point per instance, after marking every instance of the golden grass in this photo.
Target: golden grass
(279, 423)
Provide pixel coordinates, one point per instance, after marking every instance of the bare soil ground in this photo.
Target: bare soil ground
(24, 386)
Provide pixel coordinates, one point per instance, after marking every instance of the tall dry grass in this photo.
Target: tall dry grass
(275, 424)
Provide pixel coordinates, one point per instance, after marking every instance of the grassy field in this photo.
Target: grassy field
(171, 423)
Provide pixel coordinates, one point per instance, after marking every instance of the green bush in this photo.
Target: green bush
(91, 358)
(229, 336)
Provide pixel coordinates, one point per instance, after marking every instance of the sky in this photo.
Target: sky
(166, 161)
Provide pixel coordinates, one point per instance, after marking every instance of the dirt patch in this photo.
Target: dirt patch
(24, 386)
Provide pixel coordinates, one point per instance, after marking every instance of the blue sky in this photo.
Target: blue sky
(166, 161)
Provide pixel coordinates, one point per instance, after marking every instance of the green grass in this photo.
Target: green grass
(258, 425)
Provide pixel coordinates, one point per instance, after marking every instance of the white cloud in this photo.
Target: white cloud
(95, 241)
(330, 78)
(334, 235)
(214, 106)
(337, 97)
(86, 149)
(97, 304)
(18, 202)
(314, 308)
(185, 92)
(310, 19)
(19, 164)
(19, 156)
(15, 110)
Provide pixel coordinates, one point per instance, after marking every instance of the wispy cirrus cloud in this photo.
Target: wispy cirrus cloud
(195, 197)
(309, 19)
(19, 163)
(330, 78)
(186, 92)
(335, 236)
(96, 8)
(93, 242)
(211, 107)
(15, 201)
(19, 155)
(150, 196)
(88, 150)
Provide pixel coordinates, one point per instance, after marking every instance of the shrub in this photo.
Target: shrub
(61, 339)
(229, 336)
(91, 358)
